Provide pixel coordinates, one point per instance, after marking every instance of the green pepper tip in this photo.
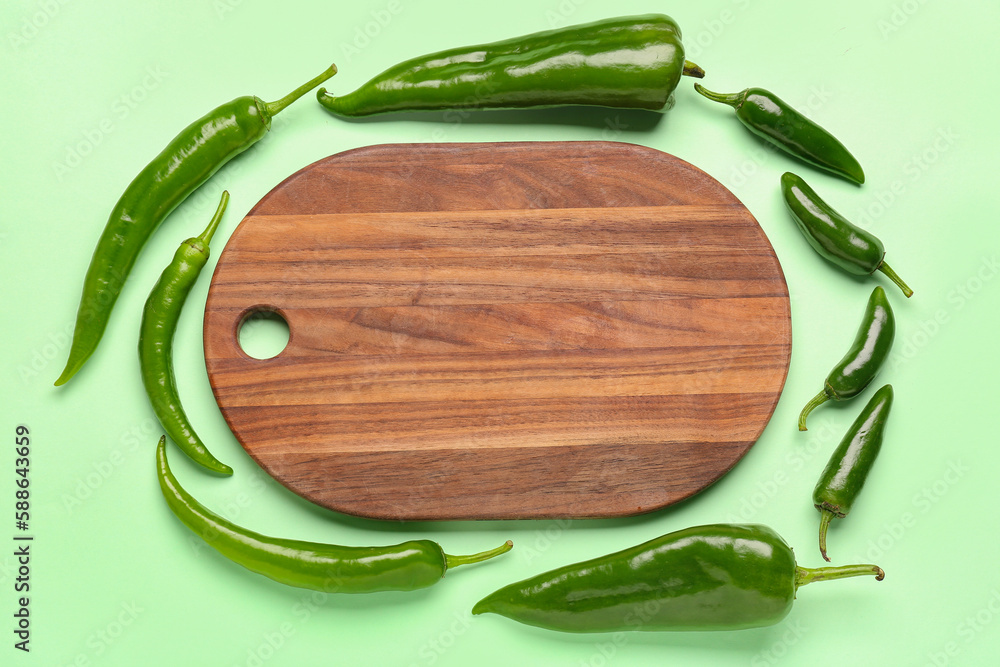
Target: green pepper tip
(65, 376)
(276, 107)
(824, 524)
(808, 575)
(480, 607)
(220, 468)
(455, 561)
(885, 268)
(815, 402)
(732, 99)
(691, 69)
(323, 96)
(206, 236)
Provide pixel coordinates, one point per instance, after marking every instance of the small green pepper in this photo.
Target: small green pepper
(190, 159)
(630, 62)
(156, 332)
(845, 474)
(715, 577)
(770, 118)
(863, 360)
(321, 567)
(833, 236)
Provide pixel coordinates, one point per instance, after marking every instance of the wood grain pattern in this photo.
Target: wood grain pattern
(516, 330)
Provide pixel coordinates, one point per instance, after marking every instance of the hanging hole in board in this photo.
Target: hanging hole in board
(263, 333)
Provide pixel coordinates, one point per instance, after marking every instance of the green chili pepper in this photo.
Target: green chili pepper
(770, 118)
(631, 62)
(187, 162)
(865, 358)
(716, 577)
(834, 237)
(322, 567)
(849, 465)
(159, 321)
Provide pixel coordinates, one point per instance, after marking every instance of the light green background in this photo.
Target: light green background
(92, 91)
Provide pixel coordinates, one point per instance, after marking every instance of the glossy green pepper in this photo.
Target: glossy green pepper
(189, 160)
(863, 360)
(833, 236)
(156, 333)
(772, 119)
(715, 577)
(845, 473)
(631, 62)
(322, 567)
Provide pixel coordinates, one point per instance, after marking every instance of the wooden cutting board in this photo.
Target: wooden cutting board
(500, 330)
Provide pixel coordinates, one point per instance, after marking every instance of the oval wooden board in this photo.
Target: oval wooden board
(500, 330)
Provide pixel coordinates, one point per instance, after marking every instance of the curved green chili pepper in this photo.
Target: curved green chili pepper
(156, 333)
(770, 118)
(631, 62)
(716, 577)
(863, 360)
(849, 465)
(833, 236)
(321, 567)
(188, 161)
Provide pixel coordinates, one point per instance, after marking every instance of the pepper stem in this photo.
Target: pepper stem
(206, 236)
(824, 524)
(273, 108)
(732, 99)
(691, 69)
(807, 575)
(455, 561)
(817, 400)
(884, 268)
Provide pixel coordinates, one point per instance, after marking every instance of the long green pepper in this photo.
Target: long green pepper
(189, 160)
(328, 568)
(715, 577)
(156, 333)
(845, 473)
(863, 360)
(632, 62)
